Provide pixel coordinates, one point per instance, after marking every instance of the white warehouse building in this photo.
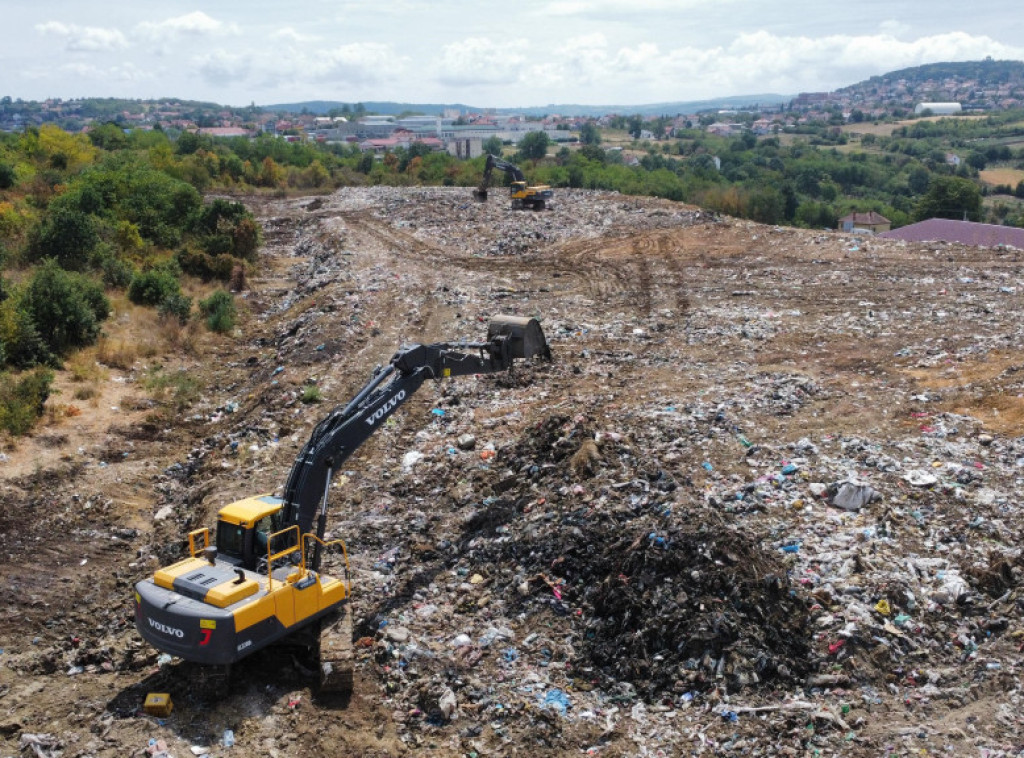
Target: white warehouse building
(939, 109)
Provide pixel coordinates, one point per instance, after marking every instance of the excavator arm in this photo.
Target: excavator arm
(480, 193)
(347, 427)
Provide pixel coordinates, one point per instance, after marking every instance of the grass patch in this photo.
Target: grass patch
(1005, 176)
(84, 368)
(86, 393)
(117, 353)
(177, 390)
(180, 337)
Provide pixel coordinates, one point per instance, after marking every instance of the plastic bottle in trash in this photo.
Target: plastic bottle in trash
(229, 738)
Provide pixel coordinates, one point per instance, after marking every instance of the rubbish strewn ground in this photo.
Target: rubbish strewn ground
(765, 501)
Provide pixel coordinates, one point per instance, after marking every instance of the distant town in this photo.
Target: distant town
(938, 89)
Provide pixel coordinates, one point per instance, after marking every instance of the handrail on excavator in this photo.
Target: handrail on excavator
(293, 545)
(192, 540)
(325, 545)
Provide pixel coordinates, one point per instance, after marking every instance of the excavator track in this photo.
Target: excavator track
(336, 654)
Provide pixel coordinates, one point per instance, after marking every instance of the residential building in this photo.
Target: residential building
(870, 221)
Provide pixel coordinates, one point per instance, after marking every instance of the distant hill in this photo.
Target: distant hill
(987, 72)
(739, 102)
(979, 86)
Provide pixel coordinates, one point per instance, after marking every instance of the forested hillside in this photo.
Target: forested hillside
(84, 217)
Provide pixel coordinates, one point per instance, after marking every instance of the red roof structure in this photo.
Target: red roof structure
(964, 232)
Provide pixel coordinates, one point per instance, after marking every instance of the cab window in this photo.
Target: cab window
(230, 539)
(264, 528)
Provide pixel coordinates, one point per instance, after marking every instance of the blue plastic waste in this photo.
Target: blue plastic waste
(557, 700)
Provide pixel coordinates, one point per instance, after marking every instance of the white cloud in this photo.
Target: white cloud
(758, 56)
(538, 51)
(85, 38)
(600, 8)
(895, 28)
(127, 73)
(752, 63)
(316, 71)
(289, 34)
(196, 24)
(220, 67)
(363, 62)
(479, 61)
(97, 78)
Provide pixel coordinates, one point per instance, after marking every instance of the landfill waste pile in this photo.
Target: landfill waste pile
(766, 499)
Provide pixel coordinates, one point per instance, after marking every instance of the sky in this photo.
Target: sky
(525, 53)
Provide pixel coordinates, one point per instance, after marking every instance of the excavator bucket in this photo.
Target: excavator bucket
(526, 338)
(480, 195)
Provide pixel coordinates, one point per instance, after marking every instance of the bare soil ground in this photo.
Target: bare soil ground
(648, 558)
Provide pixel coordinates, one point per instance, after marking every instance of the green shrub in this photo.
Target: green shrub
(219, 310)
(225, 227)
(66, 308)
(246, 239)
(116, 271)
(179, 306)
(153, 287)
(204, 265)
(20, 343)
(7, 176)
(22, 400)
(67, 236)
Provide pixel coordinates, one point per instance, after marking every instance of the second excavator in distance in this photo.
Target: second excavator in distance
(523, 195)
(261, 582)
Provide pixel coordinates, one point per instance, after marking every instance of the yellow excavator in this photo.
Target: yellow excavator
(259, 581)
(523, 195)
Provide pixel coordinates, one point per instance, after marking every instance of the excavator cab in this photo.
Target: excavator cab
(244, 529)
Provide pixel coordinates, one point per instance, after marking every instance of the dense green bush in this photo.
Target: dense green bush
(178, 306)
(116, 271)
(66, 308)
(219, 310)
(66, 235)
(205, 266)
(22, 400)
(226, 227)
(153, 287)
(20, 343)
(7, 176)
(126, 188)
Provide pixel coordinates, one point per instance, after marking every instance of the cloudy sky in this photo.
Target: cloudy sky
(483, 53)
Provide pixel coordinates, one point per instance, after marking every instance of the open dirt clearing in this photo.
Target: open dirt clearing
(765, 501)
